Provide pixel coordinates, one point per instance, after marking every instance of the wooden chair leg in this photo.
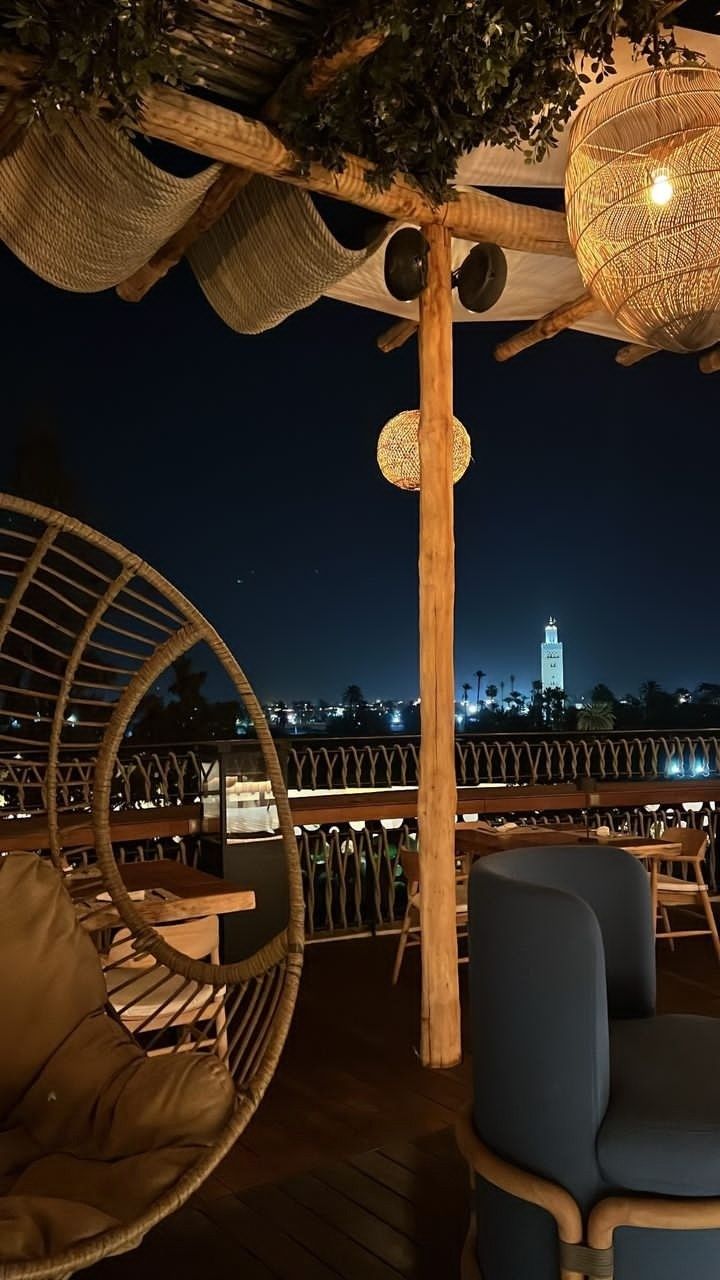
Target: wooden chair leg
(666, 926)
(709, 913)
(654, 892)
(402, 943)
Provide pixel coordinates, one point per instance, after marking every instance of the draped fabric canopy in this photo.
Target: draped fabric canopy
(271, 254)
(85, 209)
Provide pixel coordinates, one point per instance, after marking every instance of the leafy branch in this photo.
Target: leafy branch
(454, 74)
(92, 52)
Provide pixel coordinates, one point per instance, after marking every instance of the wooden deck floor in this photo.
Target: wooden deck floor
(349, 1170)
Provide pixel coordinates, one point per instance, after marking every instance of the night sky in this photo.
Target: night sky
(244, 469)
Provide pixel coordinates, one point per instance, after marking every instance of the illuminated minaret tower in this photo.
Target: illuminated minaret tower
(551, 658)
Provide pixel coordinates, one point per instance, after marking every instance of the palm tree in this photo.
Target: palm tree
(512, 684)
(596, 717)
(536, 704)
(353, 697)
(502, 694)
(466, 690)
(515, 702)
(649, 691)
(478, 676)
(354, 702)
(553, 707)
(491, 693)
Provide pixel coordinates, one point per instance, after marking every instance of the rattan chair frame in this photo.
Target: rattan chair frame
(134, 614)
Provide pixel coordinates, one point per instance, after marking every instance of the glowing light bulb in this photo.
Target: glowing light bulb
(661, 190)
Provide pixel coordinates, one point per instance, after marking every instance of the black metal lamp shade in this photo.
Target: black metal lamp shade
(482, 277)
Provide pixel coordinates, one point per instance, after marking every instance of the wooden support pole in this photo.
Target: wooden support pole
(632, 353)
(554, 322)
(709, 361)
(215, 203)
(397, 335)
(437, 792)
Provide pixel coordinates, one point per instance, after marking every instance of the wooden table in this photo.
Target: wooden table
(479, 841)
(76, 829)
(172, 892)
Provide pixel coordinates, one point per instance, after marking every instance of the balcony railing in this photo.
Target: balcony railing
(506, 759)
(354, 884)
(175, 774)
(350, 867)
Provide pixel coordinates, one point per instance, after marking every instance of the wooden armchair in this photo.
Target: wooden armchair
(410, 863)
(148, 998)
(670, 891)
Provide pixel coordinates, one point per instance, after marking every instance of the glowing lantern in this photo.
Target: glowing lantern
(398, 450)
(642, 192)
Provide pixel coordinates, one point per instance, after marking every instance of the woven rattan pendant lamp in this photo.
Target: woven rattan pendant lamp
(642, 193)
(398, 450)
(87, 625)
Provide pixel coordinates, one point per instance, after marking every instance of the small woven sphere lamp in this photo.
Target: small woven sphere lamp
(398, 450)
(642, 192)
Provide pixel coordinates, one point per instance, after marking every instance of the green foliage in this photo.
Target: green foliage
(596, 717)
(92, 52)
(453, 74)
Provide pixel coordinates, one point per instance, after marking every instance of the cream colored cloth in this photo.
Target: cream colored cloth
(269, 256)
(84, 209)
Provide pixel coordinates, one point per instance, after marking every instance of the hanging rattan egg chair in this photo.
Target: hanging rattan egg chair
(100, 1137)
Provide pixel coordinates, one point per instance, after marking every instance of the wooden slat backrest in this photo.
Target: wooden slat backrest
(198, 938)
(410, 863)
(694, 843)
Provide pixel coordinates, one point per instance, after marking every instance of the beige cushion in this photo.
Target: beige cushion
(51, 975)
(100, 1097)
(92, 1131)
(35, 1227)
(122, 1189)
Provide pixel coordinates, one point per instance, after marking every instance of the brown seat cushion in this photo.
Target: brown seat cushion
(33, 1227)
(100, 1097)
(51, 974)
(121, 1189)
(92, 1131)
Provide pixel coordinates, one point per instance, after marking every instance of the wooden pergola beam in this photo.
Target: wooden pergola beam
(632, 353)
(18, 69)
(321, 72)
(221, 134)
(397, 335)
(216, 202)
(547, 326)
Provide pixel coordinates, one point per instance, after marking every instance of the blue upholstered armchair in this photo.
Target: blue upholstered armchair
(595, 1128)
